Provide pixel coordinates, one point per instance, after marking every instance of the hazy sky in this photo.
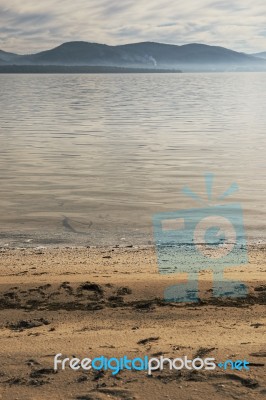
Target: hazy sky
(32, 25)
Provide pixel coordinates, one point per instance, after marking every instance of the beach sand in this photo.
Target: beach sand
(87, 302)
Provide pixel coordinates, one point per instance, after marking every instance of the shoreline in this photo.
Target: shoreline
(81, 69)
(132, 242)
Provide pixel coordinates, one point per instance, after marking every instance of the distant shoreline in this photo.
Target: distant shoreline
(65, 69)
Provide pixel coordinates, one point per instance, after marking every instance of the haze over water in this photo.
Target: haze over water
(88, 159)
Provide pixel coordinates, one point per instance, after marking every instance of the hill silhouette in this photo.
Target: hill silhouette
(151, 55)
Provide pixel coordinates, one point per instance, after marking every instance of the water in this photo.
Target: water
(88, 159)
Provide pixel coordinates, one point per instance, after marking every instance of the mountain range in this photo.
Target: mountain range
(151, 55)
(260, 55)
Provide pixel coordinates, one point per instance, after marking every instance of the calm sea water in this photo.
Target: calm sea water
(88, 159)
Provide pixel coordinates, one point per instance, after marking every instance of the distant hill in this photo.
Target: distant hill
(261, 55)
(8, 57)
(192, 57)
(194, 53)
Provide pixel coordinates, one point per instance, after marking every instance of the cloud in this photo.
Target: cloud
(31, 25)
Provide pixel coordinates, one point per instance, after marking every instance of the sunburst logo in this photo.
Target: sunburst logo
(209, 237)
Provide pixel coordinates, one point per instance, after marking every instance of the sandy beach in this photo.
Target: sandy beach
(88, 302)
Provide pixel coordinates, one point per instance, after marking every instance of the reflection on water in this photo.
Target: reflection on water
(90, 158)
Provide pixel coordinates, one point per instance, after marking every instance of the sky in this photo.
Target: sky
(28, 26)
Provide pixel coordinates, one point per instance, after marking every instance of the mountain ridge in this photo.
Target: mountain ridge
(192, 56)
(260, 55)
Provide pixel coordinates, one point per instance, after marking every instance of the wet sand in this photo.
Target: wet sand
(87, 302)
